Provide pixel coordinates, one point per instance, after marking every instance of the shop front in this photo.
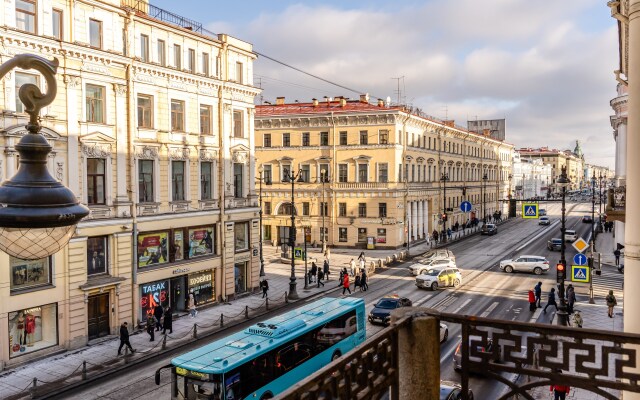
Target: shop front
(241, 270)
(201, 285)
(151, 295)
(33, 329)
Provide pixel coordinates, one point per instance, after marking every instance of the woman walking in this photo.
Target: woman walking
(192, 306)
(363, 280)
(552, 300)
(345, 282)
(611, 302)
(532, 301)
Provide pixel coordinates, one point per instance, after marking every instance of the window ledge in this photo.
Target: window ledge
(15, 292)
(100, 281)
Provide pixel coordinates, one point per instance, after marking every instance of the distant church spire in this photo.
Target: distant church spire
(578, 150)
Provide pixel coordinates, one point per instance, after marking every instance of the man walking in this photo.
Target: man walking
(326, 269)
(124, 338)
(560, 392)
(552, 300)
(265, 288)
(616, 253)
(571, 298)
(167, 324)
(151, 324)
(320, 276)
(157, 312)
(538, 292)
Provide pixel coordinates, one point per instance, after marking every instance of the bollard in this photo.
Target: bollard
(195, 331)
(32, 389)
(221, 320)
(286, 297)
(164, 341)
(266, 302)
(246, 312)
(84, 370)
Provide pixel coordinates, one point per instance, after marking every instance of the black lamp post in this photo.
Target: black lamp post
(323, 178)
(484, 193)
(290, 177)
(593, 235)
(38, 214)
(562, 315)
(267, 181)
(444, 178)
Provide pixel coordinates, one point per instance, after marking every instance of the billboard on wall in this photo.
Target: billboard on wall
(153, 294)
(152, 248)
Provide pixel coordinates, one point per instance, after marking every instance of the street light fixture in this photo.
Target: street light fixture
(484, 193)
(38, 214)
(444, 178)
(267, 181)
(562, 182)
(290, 177)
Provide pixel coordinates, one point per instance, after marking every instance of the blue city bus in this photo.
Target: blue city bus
(268, 357)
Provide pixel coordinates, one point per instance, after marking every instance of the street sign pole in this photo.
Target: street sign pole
(591, 300)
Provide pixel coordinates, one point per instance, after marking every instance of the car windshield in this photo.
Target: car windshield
(425, 262)
(433, 272)
(387, 303)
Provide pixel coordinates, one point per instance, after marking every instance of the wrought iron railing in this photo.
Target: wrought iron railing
(601, 362)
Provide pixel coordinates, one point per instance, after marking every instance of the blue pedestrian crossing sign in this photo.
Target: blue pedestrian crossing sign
(465, 206)
(580, 273)
(530, 210)
(580, 259)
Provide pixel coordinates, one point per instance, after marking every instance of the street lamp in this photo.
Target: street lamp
(267, 181)
(485, 178)
(600, 198)
(562, 182)
(38, 214)
(290, 177)
(323, 178)
(444, 178)
(593, 235)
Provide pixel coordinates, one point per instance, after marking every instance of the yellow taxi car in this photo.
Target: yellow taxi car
(437, 277)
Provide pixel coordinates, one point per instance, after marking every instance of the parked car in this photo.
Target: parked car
(452, 391)
(444, 332)
(438, 254)
(570, 235)
(554, 244)
(544, 221)
(535, 264)
(487, 348)
(542, 212)
(439, 276)
(381, 313)
(489, 229)
(423, 266)
(587, 219)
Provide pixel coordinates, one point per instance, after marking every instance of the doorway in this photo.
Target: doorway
(98, 316)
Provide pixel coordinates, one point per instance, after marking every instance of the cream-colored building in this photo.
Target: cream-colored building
(384, 167)
(573, 161)
(152, 128)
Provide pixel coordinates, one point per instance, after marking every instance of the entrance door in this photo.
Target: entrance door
(178, 298)
(98, 316)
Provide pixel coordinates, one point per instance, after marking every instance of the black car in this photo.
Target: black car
(554, 244)
(587, 219)
(489, 229)
(452, 391)
(381, 313)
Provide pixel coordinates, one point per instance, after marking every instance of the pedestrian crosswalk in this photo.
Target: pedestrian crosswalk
(610, 279)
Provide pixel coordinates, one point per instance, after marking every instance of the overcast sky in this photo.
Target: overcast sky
(546, 66)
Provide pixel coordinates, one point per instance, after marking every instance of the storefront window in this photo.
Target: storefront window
(152, 249)
(242, 236)
(200, 242)
(362, 234)
(27, 274)
(33, 329)
(201, 285)
(97, 255)
(152, 294)
(240, 275)
(178, 245)
(382, 235)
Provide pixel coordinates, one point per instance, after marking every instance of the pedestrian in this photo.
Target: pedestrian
(571, 298)
(124, 338)
(345, 282)
(341, 279)
(168, 321)
(362, 266)
(151, 324)
(361, 256)
(157, 312)
(352, 264)
(532, 301)
(577, 319)
(192, 306)
(611, 302)
(265, 288)
(320, 276)
(364, 281)
(538, 292)
(356, 283)
(434, 235)
(559, 391)
(314, 271)
(326, 269)
(616, 253)
(327, 254)
(449, 233)
(552, 300)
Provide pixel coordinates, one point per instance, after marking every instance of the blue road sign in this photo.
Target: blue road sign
(580, 273)
(465, 206)
(579, 259)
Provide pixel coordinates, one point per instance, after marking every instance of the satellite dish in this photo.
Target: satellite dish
(388, 100)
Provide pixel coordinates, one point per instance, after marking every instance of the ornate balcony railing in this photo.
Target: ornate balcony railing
(361, 185)
(601, 362)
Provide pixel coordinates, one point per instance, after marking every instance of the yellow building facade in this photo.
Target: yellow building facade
(390, 173)
(558, 159)
(152, 129)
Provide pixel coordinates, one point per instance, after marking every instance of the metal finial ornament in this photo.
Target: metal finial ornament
(38, 214)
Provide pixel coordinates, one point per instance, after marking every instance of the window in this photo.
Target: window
(364, 137)
(305, 208)
(145, 111)
(267, 208)
(362, 235)
(383, 137)
(324, 234)
(144, 48)
(324, 138)
(177, 56)
(343, 138)
(241, 235)
(324, 209)
(238, 174)
(363, 172)
(95, 33)
(285, 171)
(305, 139)
(237, 124)
(95, 104)
(162, 57)
(206, 182)
(342, 172)
(145, 181)
(177, 115)
(286, 139)
(382, 235)
(205, 64)
(192, 60)
(305, 173)
(239, 72)
(56, 23)
(382, 210)
(205, 119)
(96, 181)
(266, 232)
(28, 274)
(342, 234)
(383, 172)
(267, 174)
(342, 209)
(97, 255)
(177, 180)
(26, 15)
(266, 140)
(362, 210)
(22, 79)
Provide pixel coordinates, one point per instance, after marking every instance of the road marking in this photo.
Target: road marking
(536, 314)
(457, 310)
(446, 302)
(424, 299)
(489, 309)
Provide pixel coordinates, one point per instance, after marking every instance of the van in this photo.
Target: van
(570, 235)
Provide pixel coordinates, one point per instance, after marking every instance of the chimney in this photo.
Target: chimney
(380, 103)
(451, 123)
(486, 132)
(364, 98)
(343, 102)
(279, 101)
(315, 102)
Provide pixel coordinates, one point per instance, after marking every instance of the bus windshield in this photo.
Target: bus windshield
(195, 389)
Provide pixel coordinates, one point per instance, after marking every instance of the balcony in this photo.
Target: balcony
(600, 362)
(615, 208)
(142, 7)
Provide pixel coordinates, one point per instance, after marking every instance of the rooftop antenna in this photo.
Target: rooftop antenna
(399, 91)
(260, 87)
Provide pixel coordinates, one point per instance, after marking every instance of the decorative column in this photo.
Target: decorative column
(122, 148)
(420, 223)
(414, 220)
(425, 219)
(409, 222)
(74, 94)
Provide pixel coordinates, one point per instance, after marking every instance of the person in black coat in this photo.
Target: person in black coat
(124, 338)
(158, 311)
(314, 271)
(168, 321)
(326, 269)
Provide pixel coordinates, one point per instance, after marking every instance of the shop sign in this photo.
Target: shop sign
(388, 221)
(153, 294)
(201, 285)
(180, 271)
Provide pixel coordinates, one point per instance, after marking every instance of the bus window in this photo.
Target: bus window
(292, 356)
(201, 390)
(337, 330)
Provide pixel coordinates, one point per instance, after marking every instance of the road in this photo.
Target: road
(486, 291)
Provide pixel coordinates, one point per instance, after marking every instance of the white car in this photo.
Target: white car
(444, 332)
(439, 277)
(423, 266)
(570, 235)
(544, 221)
(535, 264)
(438, 254)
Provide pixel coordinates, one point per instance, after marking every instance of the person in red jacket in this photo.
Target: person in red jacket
(559, 392)
(532, 301)
(345, 283)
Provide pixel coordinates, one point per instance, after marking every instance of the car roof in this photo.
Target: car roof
(528, 255)
(544, 217)
(556, 240)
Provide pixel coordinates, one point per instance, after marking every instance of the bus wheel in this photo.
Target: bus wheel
(267, 395)
(336, 355)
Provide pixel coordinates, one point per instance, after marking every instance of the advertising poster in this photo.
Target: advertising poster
(152, 249)
(152, 294)
(200, 242)
(29, 273)
(178, 245)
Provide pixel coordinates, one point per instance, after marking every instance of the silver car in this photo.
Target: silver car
(423, 266)
(535, 264)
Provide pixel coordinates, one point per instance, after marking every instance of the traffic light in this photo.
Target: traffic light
(561, 272)
(444, 217)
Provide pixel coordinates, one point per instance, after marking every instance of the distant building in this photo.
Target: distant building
(495, 128)
(531, 177)
(558, 159)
